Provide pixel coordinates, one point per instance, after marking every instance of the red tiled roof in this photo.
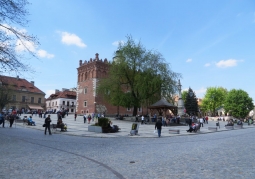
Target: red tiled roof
(63, 94)
(20, 84)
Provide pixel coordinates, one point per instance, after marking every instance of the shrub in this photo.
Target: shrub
(103, 122)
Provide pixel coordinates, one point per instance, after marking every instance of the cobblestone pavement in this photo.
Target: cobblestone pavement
(78, 128)
(28, 153)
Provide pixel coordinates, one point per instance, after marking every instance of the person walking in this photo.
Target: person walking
(84, 117)
(136, 118)
(206, 119)
(75, 116)
(89, 118)
(201, 121)
(47, 124)
(2, 119)
(11, 118)
(158, 126)
(142, 119)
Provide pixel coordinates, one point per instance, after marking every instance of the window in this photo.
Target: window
(71, 110)
(52, 103)
(32, 99)
(67, 103)
(72, 104)
(23, 98)
(128, 109)
(49, 103)
(63, 102)
(85, 103)
(56, 103)
(39, 100)
(85, 90)
(139, 110)
(13, 97)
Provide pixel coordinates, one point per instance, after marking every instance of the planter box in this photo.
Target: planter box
(98, 129)
(91, 128)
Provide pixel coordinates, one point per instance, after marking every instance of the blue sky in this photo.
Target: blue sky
(211, 43)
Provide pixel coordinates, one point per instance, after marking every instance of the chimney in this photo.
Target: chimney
(32, 82)
(18, 77)
(56, 91)
(80, 62)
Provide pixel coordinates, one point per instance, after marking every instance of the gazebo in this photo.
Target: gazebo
(162, 106)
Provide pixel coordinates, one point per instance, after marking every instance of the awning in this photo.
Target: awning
(34, 107)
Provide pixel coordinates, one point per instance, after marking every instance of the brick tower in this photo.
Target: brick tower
(89, 74)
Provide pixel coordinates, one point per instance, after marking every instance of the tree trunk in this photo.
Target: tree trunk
(135, 111)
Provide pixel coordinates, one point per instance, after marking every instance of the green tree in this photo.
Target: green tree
(238, 103)
(137, 77)
(214, 98)
(13, 13)
(5, 95)
(191, 104)
(184, 96)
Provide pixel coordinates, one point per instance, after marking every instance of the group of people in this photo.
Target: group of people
(9, 117)
(85, 117)
(90, 117)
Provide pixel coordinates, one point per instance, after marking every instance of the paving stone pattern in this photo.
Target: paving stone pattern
(28, 153)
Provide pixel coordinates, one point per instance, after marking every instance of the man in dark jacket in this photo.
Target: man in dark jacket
(47, 124)
(11, 118)
(158, 126)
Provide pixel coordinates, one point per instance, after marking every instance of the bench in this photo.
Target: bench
(174, 131)
(55, 127)
(213, 128)
(229, 127)
(239, 126)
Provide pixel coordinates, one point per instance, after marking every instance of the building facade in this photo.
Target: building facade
(62, 100)
(24, 95)
(88, 101)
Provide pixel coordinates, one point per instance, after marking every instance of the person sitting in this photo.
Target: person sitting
(30, 121)
(112, 128)
(61, 124)
(230, 123)
(239, 122)
(192, 127)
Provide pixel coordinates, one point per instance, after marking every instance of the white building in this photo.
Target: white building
(62, 100)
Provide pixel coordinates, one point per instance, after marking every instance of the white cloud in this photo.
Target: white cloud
(116, 43)
(5, 27)
(227, 63)
(21, 46)
(44, 54)
(189, 60)
(49, 92)
(31, 46)
(72, 39)
(207, 64)
(200, 92)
